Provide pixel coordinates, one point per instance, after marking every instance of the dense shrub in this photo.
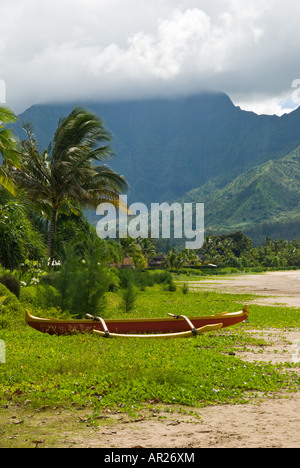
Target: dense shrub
(43, 296)
(11, 311)
(11, 283)
(19, 240)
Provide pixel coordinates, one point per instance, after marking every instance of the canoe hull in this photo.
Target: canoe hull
(133, 326)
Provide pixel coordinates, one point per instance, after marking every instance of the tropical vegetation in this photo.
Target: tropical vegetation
(65, 177)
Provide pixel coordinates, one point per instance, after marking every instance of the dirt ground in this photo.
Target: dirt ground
(271, 424)
(266, 423)
(278, 287)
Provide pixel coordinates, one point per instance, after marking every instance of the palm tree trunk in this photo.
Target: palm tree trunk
(51, 234)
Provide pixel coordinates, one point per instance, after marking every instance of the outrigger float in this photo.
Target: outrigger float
(173, 326)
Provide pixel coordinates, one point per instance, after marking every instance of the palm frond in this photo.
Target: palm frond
(8, 141)
(80, 127)
(7, 115)
(6, 181)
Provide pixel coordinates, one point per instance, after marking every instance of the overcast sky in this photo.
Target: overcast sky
(116, 49)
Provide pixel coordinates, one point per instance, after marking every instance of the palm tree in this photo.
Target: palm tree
(8, 149)
(147, 247)
(133, 250)
(64, 176)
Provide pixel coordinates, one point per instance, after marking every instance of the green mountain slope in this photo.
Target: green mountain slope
(260, 202)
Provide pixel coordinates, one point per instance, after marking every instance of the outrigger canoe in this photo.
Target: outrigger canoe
(169, 327)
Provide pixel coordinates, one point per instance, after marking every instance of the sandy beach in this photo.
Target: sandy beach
(271, 424)
(278, 287)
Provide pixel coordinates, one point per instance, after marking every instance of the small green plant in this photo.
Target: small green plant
(171, 286)
(185, 289)
(129, 296)
(3, 321)
(30, 273)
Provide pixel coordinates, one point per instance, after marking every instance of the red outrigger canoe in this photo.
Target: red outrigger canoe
(172, 326)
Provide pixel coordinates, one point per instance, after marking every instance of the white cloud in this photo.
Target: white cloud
(269, 106)
(165, 55)
(111, 49)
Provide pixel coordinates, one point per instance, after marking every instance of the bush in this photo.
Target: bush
(11, 283)
(161, 277)
(88, 291)
(41, 296)
(19, 240)
(143, 279)
(171, 287)
(11, 311)
(30, 273)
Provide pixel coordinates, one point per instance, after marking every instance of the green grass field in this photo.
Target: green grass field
(127, 374)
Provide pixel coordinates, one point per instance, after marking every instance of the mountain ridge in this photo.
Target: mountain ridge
(169, 147)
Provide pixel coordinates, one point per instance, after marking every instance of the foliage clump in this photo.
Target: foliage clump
(19, 239)
(11, 310)
(11, 283)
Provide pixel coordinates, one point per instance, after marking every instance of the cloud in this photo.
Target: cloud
(113, 49)
(164, 55)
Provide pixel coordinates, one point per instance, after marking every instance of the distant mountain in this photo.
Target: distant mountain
(202, 146)
(167, 147)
